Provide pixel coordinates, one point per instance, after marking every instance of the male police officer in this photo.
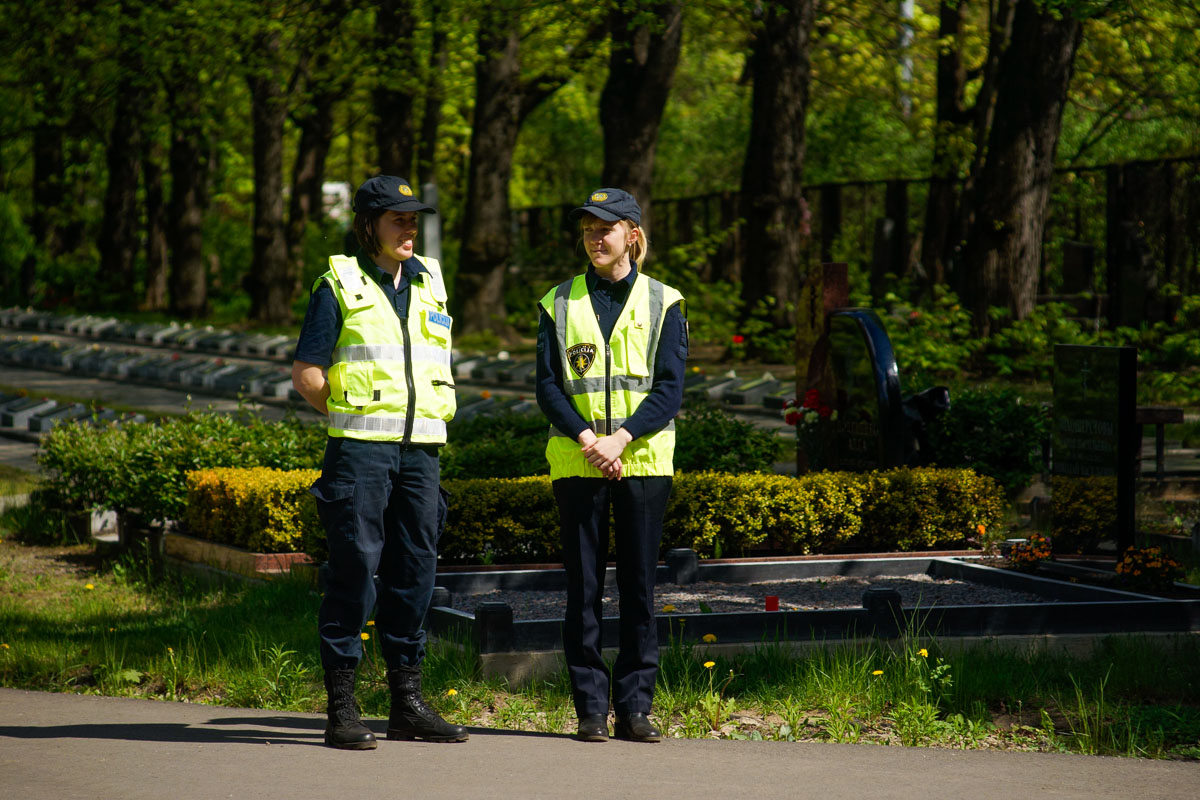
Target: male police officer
(374, 354)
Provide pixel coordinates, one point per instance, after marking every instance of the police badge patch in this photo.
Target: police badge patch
(580, 357)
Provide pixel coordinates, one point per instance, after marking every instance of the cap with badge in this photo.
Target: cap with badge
(388, 193)
(610, 205)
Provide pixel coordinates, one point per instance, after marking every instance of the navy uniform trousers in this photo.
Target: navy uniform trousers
(638, 506)
(382, 509)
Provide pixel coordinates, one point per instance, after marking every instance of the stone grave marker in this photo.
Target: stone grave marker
(1094, 446)
(870, 431)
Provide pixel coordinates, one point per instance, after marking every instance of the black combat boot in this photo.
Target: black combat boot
(345, 730)
(411, 718)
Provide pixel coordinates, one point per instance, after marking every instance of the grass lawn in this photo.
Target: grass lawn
(70, 622)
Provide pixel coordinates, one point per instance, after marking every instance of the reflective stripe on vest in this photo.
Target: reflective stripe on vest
(390, 352)
(381, 424)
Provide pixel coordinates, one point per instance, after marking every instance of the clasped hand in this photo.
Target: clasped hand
(604, 452)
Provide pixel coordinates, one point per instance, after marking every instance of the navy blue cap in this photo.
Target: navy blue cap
(388, 193)
(611, 205)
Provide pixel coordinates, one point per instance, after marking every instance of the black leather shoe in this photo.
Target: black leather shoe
(636, 728)
(593, 728)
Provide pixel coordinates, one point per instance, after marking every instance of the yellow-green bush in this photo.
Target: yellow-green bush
(261, 509)
(1084, 512)
(515, 520)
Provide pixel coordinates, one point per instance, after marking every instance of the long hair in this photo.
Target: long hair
(364, 231)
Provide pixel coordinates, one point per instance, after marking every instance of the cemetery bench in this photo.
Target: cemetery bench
(1158, 416)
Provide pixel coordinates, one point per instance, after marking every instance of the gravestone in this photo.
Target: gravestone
(870, 431)
(1094, 446)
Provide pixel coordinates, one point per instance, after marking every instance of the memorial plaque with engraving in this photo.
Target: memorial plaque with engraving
(870, 429)
(1093, 447)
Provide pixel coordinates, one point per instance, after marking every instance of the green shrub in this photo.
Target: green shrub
(1083, 512)
(503, 445)
(994, 432)
(709, 438)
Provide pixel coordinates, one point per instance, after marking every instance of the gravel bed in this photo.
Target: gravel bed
(797, 594)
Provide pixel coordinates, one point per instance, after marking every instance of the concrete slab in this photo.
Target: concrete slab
(65, 745)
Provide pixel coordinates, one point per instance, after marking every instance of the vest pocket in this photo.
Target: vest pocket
(636, 341)
(354, 380)
(436, 324)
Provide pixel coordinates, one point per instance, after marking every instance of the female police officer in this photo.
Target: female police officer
(611, 349)
(374, 354)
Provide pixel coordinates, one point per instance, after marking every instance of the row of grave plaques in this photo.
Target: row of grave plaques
(39, 415)
(170, 334)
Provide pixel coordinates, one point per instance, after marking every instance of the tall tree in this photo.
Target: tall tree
(951, 142)
(773, 170)
(641, 67)
(505, 95)
(1019, 129)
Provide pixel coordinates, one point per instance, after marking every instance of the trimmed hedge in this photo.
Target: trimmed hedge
(261, 509)
(717, 514)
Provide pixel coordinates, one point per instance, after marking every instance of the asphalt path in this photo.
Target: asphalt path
(55, 746)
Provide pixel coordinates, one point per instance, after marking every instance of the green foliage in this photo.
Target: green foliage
(507, 445)
(1026, 347)
(1084, 512)
(994, 432)
(709, 438)
(932, 340)
(501, 521)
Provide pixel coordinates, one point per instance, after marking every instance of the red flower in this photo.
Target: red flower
(738, 338)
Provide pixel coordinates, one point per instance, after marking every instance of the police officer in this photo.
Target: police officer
(611, 349)
(374, 355)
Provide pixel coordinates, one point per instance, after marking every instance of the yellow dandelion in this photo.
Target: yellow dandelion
(4, 646)
(876, 672)
(171, 650)
(709, 664)
(110, 630)
(365, 636)
(668, 608)
(89, 586)
(709, 637)
(923, 653)
(451, 692)
(370, 623)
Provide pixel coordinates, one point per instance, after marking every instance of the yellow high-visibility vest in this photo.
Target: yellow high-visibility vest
(607, 380)
(390, 381)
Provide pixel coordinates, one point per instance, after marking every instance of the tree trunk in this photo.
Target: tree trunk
(49, 188)
(272, 281)
(773, 171)
(487, 241)
(951, 135)
(1012, 188)
(435, 92)
(118, 238)
(155, 297)
(641, 68)
(394, 100)
(191, 151)
(308, 173)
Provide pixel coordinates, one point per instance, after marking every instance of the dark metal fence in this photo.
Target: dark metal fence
(1119, 232)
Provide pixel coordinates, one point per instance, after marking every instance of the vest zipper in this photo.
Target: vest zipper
(408, 376)
(607, 389)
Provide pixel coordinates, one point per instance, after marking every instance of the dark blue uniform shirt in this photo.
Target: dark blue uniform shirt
(323, 319)
(666, 393)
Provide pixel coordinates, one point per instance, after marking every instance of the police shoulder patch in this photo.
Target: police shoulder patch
(581, 357)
